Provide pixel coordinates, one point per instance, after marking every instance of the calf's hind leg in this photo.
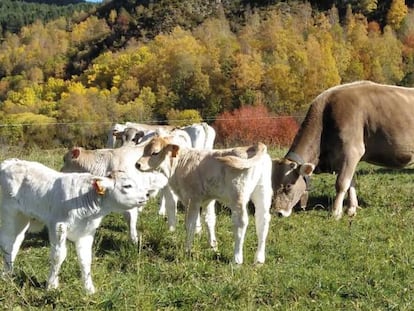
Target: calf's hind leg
(13, 228)
(210, 219)
(240, 222)
(192, 213)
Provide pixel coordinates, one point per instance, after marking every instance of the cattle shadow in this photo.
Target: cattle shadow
(36, 239)
(21, 278)
(323, 203)
(385, 171)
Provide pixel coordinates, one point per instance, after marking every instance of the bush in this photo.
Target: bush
(251, 124)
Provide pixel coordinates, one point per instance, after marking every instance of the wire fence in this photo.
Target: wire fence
(96, 134)
(153, 121)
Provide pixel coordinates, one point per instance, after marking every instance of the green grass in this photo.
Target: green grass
(313, 262)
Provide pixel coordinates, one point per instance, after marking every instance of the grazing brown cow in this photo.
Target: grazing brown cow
(360, 121)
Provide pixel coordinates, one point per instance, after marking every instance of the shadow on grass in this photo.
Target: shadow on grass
(21, 278)
(323, 203)
(36, 239)
(385, 170)
(107, 242)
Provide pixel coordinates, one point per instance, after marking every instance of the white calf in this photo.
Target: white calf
(102, 161)
(232, 176)
(71, 205)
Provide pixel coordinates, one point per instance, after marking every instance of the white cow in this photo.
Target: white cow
(71, 205)
(232, 176)
(201, 135)
(102, 161)
(118, 131)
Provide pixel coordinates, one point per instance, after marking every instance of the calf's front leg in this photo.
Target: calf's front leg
(131, 217)
(57, 237)
(84, 252)
(262, 201)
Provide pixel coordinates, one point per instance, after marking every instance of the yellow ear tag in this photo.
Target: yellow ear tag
(98, 188)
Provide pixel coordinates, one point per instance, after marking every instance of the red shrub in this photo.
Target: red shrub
(250, 124)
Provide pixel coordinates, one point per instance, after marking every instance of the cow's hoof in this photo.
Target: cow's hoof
(258, 264)
(351, 213)
(337, 216)
(214, 245)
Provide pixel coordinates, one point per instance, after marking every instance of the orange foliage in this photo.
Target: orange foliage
(374, 27)
(249, 124)
(408, 42)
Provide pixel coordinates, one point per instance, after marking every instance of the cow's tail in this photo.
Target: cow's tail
(259, 150)
(209, 137)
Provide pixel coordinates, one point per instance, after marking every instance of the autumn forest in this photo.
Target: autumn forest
(65, 80)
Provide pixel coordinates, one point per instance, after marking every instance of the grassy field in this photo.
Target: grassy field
(313, 262)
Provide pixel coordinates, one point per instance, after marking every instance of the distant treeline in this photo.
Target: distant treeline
(14, 14)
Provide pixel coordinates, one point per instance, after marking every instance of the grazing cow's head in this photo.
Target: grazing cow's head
(157, 154)
(289, 185)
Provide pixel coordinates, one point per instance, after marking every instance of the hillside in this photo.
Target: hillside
(65, 80)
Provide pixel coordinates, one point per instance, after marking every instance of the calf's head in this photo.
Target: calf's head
(158, 154)
(124, 189)
(289, 185)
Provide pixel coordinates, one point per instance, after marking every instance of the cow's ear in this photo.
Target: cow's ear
(306, 169)
(75, 153)
(99, 188)
(138, 137)
(174, 150)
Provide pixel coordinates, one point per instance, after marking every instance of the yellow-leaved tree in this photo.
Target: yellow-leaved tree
(283, 51)
(177, 73)
(396, 14)
(321, 72)
(83, 113)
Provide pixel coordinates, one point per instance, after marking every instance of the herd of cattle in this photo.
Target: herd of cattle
(360, 121)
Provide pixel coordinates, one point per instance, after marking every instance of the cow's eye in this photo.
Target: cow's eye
(288, 187)
(127, 186)
(155, 153)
